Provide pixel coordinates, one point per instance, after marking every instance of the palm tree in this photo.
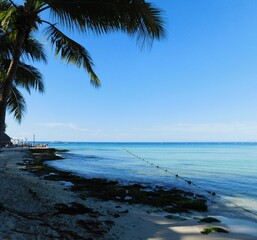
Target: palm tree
(136, 18)
(28, 78)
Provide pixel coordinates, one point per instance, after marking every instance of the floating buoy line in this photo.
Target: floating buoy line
(211, 194)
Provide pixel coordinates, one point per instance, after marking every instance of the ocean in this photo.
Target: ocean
(228, 169)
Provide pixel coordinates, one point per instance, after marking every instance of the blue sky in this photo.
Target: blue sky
(198, 84)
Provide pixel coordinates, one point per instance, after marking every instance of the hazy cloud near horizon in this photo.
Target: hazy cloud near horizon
(62, 125)
(178, 132)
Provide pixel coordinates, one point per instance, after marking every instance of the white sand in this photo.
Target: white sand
(27, 212)
(139, 224)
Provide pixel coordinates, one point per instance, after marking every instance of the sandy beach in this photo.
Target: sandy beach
(34, 208)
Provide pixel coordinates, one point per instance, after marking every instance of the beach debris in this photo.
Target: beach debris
(176, 209)
(92, 226)
(83, 196)
(209, 220)
(175, 218)
(74, 209)
(128, 198)
(109, 222)
(213, 229)
(67, 184)
(185, 205)
(125, 211)
(154, 211)
(52, 173)
(33, 193)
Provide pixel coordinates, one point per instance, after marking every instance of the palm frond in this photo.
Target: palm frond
(71, 52)
(135, 17)
(29, 77)
(6, 17)
(34, 50)
(5, 49)
(4, 5)
(6, 45)
(16, 104)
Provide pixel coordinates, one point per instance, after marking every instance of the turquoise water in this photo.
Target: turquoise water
(229, 169)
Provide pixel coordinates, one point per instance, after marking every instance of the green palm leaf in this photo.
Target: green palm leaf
(135, 17)
(7, 16)
(5, 49)
(71, 52)
(34, 50)
(29, 77)
(6, 46)
(16, 104)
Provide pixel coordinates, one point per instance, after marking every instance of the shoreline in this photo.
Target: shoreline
(38, 206)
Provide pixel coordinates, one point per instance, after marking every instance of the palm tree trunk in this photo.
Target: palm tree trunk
(10, 77)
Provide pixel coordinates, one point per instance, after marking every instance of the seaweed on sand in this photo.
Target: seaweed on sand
(209, 220)
(213, 229)
(173, 200)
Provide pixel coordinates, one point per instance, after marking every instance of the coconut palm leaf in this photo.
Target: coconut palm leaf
(29, 77)
(71, 52)
(16, 104)
(6, 47)
(135, 17)
(7, 16)
(34, 50)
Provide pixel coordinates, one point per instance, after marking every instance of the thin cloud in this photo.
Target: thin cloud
(63, 125)
(202, 127)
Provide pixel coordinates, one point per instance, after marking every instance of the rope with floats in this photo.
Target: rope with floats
(212, 194)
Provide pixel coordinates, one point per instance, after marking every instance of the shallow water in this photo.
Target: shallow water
(229, 169)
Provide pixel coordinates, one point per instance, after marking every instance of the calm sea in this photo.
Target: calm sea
(228, 169)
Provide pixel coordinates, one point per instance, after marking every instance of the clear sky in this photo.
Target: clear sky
(198, 84)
